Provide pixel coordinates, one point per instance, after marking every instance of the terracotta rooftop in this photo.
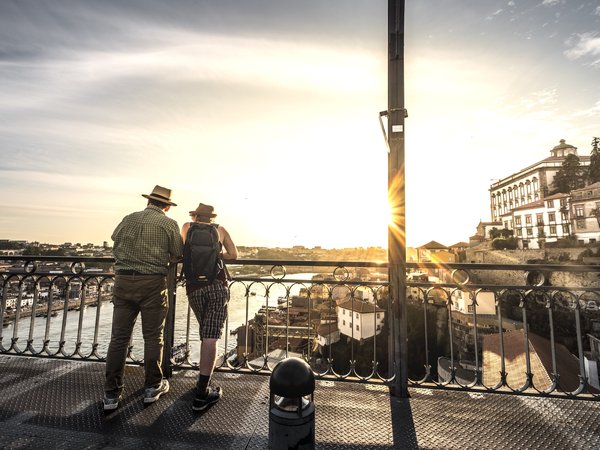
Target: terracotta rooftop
(516, 364)
(433, 245)
(360, 307)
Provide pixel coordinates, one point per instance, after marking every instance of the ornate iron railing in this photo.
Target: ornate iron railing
(520, 329)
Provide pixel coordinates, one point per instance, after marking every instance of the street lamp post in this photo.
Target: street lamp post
(396, 113)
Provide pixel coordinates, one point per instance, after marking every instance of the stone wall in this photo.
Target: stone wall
(517, 277)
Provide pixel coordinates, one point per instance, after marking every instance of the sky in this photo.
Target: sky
(268, 110)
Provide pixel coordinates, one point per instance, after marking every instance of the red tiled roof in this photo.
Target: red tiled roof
(557, 195)
(359, 306)
(532, 205)
(327, 328)
(433, 245)
(540, 356)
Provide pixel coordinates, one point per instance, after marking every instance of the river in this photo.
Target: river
(88, 316)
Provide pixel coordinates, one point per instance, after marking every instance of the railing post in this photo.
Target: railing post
(169, 332)
(396, 196)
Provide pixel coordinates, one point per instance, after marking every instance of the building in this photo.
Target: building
(359, 320)
(539, 222)
(483, 232)
(465, 322)
(541, 361)
(327, 334)
(426, 253)
(585, 213)
(530, 184)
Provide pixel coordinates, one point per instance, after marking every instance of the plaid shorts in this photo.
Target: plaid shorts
(209, 304)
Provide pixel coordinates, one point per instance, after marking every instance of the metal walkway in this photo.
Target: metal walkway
(57, 404)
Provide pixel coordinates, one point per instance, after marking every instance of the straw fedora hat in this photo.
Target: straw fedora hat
(161, 194)
(203, 211)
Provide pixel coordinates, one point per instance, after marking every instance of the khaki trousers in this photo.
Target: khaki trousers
(134, 294)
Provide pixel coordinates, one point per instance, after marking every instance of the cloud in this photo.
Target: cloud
(539, 100)
(587, 45)
(590, 112)
(597, 11)
(551, 2)
(494, 14)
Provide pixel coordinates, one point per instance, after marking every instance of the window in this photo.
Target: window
(579, 211)
(581, 224)
(528, 219)
(343, 312)
(550, 203)
(517, 220)
(551, 217)
(378, 315)
(552, 230)
(529, 232)
(343, 322)
(564, 216)
(378, 327)
(540, 218)
(357, 328)
(563, 202)
(592, 241)
(519, 232)
(565, 229)
(357, 315)
(470, 308)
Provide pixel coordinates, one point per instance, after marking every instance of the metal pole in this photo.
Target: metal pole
(169, 331)
(396, 114)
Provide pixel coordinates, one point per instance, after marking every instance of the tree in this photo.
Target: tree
(494, 233)
(504, 244)
(570, 176)
(594, 169)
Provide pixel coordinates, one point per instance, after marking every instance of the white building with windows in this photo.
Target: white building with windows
(462, 301)
(359, 320)
(531, 184)
(585, 213)
(542, 221)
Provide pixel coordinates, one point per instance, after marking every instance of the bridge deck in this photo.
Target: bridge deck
(50, 403)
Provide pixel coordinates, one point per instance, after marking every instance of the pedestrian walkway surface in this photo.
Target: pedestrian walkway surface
(57, 404)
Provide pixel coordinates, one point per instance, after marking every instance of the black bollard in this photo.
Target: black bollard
(291, 406)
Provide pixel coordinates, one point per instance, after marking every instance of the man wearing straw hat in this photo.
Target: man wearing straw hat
(145, 242)
(208, 299)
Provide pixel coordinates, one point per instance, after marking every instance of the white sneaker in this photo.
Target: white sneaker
(153, 394)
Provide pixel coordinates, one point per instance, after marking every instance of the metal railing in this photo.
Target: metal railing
(519, 329)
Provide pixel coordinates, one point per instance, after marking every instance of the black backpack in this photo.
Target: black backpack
(202, 253)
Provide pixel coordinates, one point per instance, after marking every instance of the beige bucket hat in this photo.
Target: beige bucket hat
(203, 211)
(162, 194)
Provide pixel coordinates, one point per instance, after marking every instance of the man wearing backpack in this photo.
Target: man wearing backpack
(206, 245)
(145, 242)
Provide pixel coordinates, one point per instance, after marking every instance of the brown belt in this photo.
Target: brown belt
(134, 272)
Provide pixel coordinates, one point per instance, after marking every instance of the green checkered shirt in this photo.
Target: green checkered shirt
(145, 241)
